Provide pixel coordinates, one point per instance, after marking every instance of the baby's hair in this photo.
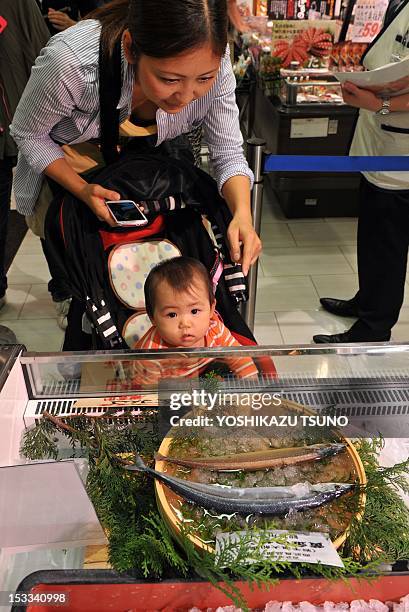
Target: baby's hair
(180, 273)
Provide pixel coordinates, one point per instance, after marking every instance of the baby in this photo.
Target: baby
(180, 303)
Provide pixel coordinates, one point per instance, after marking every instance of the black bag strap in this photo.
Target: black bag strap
(110, 84)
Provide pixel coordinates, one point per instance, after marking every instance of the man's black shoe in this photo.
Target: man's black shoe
(347, 337)
(342, 308)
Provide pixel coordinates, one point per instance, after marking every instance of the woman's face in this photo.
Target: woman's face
(172, 83)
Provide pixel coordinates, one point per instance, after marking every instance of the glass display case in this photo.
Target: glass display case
(363, 379)
(299, 89)
(368, 384)
(307, 115)
(357, 380)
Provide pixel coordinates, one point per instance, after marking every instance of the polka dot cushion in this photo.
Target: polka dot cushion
(136, 326)
(130, 264)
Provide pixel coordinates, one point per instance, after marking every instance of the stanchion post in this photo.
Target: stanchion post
(255, 149)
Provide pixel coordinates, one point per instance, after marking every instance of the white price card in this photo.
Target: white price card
(368, 19)
(278, 545)
(309, 128)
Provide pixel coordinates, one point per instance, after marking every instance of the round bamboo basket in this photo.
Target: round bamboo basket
(164, 495)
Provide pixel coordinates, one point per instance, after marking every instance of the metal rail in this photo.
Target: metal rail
(255, 151)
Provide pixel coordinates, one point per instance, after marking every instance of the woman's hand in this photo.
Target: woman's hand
(360, 98)
(60, 21)
(244, 244)
(94, 196)
(241, 231)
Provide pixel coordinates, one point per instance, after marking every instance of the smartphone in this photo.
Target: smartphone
(126, 212)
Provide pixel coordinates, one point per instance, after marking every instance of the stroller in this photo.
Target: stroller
(105, 268)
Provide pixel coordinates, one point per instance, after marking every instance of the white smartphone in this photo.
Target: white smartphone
(126, 212)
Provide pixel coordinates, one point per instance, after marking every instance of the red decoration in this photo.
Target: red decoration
(3, 24)
(317, 42)
(288, 52)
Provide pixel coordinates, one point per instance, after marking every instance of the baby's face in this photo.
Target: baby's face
(183, 318)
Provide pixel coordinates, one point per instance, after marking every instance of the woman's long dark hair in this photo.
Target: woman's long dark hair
(164, 28)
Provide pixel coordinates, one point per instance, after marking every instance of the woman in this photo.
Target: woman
(176, 72)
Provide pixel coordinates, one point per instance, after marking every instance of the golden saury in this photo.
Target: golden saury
(259, 460)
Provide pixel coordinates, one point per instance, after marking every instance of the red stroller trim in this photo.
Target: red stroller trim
(113, 238)
(264, 364)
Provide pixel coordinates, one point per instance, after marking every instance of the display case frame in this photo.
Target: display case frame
(291, 362)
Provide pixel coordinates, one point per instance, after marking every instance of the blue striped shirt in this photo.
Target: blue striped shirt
(60, 105)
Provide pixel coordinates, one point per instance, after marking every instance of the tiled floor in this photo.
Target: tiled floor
(29, 310)
(302, 261)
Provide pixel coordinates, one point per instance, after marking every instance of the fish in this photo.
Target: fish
(273, 501)
(259, 460)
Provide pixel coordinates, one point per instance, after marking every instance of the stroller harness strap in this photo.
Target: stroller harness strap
(104, 324)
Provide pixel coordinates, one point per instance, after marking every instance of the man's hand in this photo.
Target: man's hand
(60, 20)
(241, 230)
(94, 196)
(360, 98)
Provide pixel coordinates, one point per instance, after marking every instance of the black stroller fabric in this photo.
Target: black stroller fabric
(161, 183)
(74, 241)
